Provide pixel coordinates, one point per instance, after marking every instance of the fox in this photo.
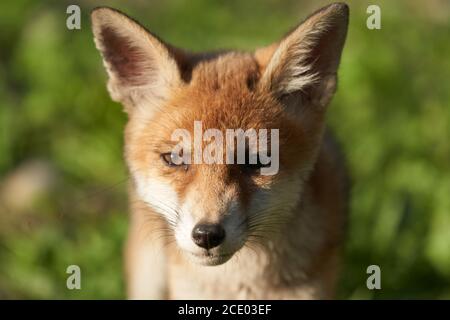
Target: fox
(224, 230)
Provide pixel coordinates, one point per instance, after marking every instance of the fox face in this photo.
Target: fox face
(214, 208)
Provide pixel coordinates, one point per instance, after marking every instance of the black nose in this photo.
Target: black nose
(208, 235)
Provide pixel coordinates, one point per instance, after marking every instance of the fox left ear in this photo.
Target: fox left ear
(304, 64)
(142, 69)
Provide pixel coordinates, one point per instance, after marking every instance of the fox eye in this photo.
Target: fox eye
(252, 168)
(168, 160)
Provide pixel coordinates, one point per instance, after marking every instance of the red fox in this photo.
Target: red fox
(225, 230)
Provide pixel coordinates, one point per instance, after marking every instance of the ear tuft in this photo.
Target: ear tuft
(139, 65)
(307, 59)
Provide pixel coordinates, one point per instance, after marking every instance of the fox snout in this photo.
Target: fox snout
(208, 236)
(211, 226)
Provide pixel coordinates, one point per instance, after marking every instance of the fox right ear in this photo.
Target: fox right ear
(142, 69)
(304, 64)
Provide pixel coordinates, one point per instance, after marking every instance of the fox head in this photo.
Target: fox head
(214, 209)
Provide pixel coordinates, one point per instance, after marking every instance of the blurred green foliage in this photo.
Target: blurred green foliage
(391, 114)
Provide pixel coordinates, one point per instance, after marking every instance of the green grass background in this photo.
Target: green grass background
(391, 115)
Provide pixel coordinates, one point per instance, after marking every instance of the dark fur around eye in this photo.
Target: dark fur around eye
(252, 168)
